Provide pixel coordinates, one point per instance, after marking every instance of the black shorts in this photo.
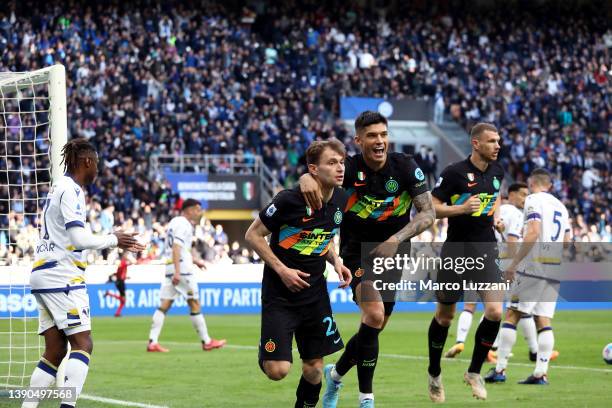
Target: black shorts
(354, 265)
(487, 272)
(313, 325)
(120, 284)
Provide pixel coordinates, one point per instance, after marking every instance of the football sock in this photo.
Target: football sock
(367, 356)
(43, 377)
(76, 372)
(363, 396)
(334, 375)
(495, 345)
(463, 325)
(199, 324)
(483, 340)
(307, 394)
(546, 342)
(111, 294)
(348, 358)
(436, 337)
(156, 326)
(121, 305)
(528, 327)
(507, 338)
(44, 374)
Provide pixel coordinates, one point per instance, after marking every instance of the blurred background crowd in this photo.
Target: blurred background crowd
(265, 78)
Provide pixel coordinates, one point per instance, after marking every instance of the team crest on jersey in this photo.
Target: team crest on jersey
(271, 210)
(470, 176)
(496, 183)
(439, 183)
(360, 175)
(391, 186)
(338, 216)
(308, 211)
(270, 346)
(418, 173)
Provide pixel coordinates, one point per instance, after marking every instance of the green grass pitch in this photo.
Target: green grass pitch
(189, 377)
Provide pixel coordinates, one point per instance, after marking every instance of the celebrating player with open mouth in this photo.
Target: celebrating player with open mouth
(58, 280)
(382, 188)
(294, 290)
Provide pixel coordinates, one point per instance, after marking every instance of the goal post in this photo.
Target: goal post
(33, 130)
(54, 79)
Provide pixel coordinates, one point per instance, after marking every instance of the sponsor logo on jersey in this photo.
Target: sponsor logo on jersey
(487, 203)
(368, 206)
(306, 242)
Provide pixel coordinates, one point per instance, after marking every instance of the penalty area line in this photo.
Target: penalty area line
(121, 403)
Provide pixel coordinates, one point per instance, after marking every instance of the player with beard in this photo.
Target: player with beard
(468, 194)
(382, 187)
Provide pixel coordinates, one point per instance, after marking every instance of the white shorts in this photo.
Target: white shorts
(187, 287)
(68, 311)
(540, 296)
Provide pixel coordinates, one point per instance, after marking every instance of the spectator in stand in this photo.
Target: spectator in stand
(168, 78)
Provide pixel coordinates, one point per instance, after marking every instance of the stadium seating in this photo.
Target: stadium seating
(267, 80)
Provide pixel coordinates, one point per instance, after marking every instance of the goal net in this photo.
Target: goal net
(32, 132)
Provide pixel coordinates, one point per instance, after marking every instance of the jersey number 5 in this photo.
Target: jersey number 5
(557, 222)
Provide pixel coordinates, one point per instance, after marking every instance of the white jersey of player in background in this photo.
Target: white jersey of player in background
(57, 265)
(180, 231)
(545, 257)
(512, 218)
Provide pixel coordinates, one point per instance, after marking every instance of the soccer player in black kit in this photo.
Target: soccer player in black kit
(295, 300)
(468, 193)
(382, 187)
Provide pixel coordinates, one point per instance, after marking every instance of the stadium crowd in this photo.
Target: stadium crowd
(263, 79)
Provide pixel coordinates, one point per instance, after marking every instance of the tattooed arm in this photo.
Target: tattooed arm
(424, 219)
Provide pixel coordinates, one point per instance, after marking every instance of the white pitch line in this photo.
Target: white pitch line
(121, 403)
(398, 356)
(106, 400)
(463, 360)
